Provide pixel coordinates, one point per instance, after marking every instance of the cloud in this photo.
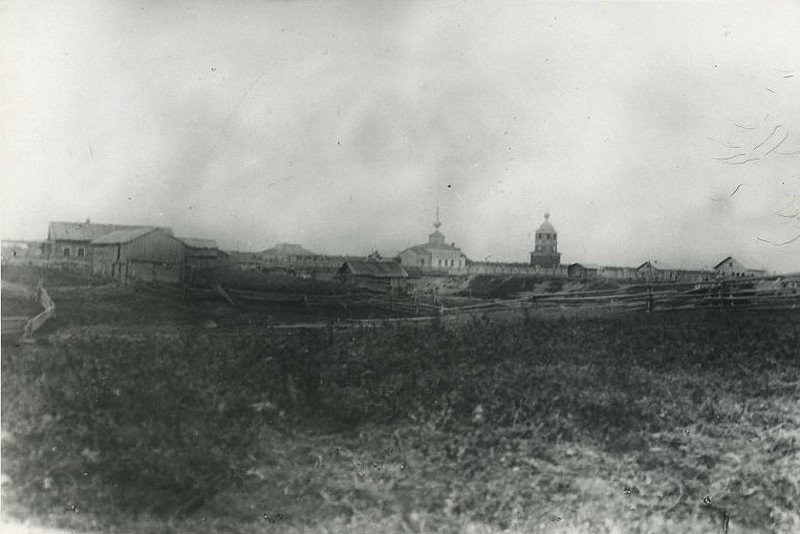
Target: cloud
(341, 125)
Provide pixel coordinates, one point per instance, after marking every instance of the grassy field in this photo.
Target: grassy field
(31, 275)
(670, 422)
(254, 280)
(20, 307)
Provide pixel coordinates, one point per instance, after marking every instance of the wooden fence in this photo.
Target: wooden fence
(773, 292)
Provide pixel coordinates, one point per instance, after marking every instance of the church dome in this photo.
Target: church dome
(546, 226)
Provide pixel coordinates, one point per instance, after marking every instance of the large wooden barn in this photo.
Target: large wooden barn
(144, 254)
(653, 271)
(72, 240)
(730, 267)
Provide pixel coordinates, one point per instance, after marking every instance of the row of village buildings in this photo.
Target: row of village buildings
(149, 253)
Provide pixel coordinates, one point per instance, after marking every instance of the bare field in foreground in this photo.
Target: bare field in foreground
(673, 422)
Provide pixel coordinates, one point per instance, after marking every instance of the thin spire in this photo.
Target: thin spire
(437, 223)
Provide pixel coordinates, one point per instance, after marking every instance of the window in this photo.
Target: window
(66, 252)
(81, 252)
(422, 262)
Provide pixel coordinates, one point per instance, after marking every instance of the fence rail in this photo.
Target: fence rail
(771, 293)
(768, 291)
(778, 292)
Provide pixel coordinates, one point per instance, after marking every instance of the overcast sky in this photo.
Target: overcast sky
(667, 131)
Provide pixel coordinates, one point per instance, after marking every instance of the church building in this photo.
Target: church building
(546, 254)
(435, 256)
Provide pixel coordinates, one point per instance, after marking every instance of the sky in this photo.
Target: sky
(650, 131)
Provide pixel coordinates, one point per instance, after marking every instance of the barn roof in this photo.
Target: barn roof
(374, 269)
(123, 236)
(747, 261)
(194, 242)
(717, 266)
(85, 231)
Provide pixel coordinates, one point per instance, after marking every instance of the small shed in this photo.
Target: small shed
(145, 254)
(201, 253)
(381, 275)
(581, 271)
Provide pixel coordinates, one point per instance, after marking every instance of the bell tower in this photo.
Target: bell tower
(545, 253)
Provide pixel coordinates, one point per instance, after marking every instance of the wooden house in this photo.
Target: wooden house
(245, 260)
(71, 240)
(286, 253)
(379, 275)
(144, 254)
(732, 268)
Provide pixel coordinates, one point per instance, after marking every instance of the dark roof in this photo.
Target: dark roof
(587, 266)
(123, 236)
(194, 242)
(287, 249)
(723, 261)
(85, 231)
(657, 266)
(375, 269)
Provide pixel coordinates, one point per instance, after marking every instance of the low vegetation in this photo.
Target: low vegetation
(65, 276)
(682, 421)
(270, 282)
(20, 307)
